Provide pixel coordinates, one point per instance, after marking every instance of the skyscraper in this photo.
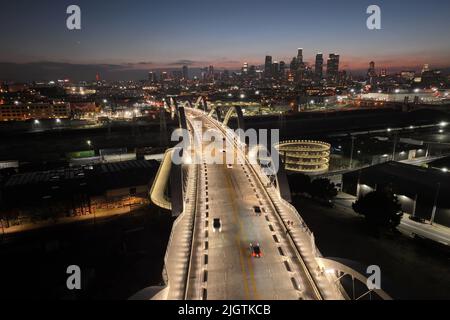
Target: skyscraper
(300, 56)
(282, 69)
(152, 77)
(268, 67)
(293, 66)
(185, 73)
(333, 67)
(275, 69)
(300, 72)
(318, 71)
(371, 71)
(245, 68)
(371, 74)
(211, 72)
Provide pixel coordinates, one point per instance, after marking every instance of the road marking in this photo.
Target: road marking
(232, 193)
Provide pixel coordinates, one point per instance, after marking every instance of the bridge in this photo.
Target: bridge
(201, 264)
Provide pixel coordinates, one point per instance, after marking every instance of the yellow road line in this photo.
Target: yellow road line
(241, 260)
(240, 229)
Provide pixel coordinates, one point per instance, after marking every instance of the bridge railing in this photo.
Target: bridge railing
(181, 252)
(264, 179)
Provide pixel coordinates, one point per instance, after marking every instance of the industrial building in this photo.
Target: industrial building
(422, 192)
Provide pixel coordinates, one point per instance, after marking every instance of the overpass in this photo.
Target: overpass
(201, 264)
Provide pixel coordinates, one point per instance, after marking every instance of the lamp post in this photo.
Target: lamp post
(351, 152)
(433, 213)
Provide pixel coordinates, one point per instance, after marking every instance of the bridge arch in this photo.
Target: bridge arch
(341, 268)
(279, 177)
(215, 110)
(240, 116)
(201, 101)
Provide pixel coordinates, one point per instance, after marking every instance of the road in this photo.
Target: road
(434, 232)
(221, 266)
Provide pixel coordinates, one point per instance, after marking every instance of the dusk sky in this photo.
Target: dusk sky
(152, 34)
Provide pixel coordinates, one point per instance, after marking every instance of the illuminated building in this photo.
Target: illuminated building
(318, 70)
(333, 67)
(268, 67)
(26, 111)
(309, 157)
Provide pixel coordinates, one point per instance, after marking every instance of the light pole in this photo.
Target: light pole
(433, 213)
(395, 147)
(351, 152)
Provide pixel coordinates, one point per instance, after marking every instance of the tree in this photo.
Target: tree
(299, 183)
(380, 208)
(323, 189)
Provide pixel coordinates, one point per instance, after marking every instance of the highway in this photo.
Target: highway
(222, 267)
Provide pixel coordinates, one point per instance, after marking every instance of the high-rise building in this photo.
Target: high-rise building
(211, 72)
(371, 73)
(282, 69)
(152, 77)
(300, 56)
(333, 67)
(185, 73)
(245, 68)
(268, 67)
(318, 71)
(275, 69)
(252, 71)
(164, 76)
(294, 65)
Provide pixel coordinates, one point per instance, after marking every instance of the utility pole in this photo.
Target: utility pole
(351, 152)
(433, 213)
(162, 127)
(395, 147)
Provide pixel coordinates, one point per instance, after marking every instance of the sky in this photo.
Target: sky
(124, 36)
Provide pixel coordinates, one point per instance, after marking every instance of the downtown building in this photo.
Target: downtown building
(333, 68)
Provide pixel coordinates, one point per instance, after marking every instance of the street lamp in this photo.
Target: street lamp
(89, 143)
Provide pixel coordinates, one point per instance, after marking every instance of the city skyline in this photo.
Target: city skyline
(198, 34)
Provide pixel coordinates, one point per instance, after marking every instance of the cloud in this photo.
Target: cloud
(184, 63)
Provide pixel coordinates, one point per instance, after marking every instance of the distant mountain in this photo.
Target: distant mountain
(46, 71)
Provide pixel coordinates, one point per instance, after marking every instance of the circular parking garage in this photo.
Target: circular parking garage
(305, 156)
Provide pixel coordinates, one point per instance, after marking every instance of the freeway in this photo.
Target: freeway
(221, 265)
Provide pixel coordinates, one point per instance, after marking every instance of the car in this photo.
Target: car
(257, 210)
(217, 225)
(256, 250)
